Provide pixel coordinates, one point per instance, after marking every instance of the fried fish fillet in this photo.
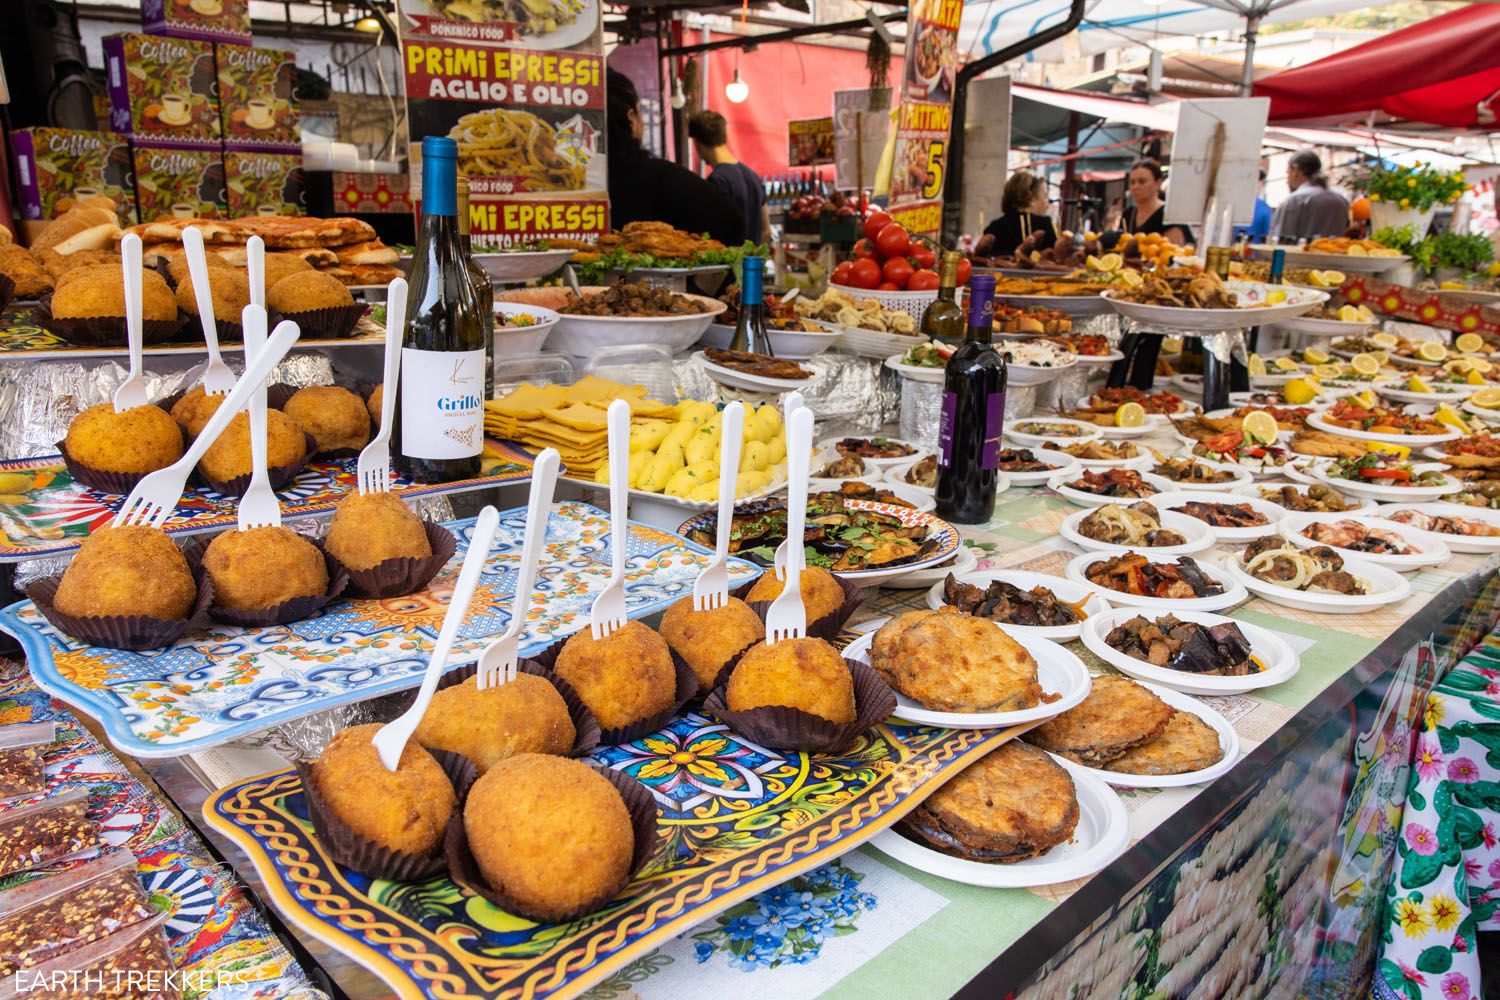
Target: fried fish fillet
(1186, 744)
(1118, 714)
(1321, 444)
(1013, 804)
(953, 662)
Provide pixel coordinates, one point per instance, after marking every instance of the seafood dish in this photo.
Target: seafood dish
(1110, 400)
(876, 447)
(836, 537)
(624, 298)
(1224, 515)
(1321, 444)
(1042, 428)
(1316, 498)
(1359, 538)
(923, 473)
(1103, 451)
(1211, 650)
(1182, 287)
(1445, 524)
(1016, 460)
(1140, 577)
(1318, 570)
(1349, 414)
(1477, 452)
(1384, 468)
(1010, 605)
(1035, 353)
(1124, 484)
(1136, 525)
(760, 365)
(1186, 470)
(856, 490)
(848, 467)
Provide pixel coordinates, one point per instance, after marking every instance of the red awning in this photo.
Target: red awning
(1443, 71)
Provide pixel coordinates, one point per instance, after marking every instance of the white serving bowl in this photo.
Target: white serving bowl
(1274, 653)
(1433, 552)
(515, 342)
(1234, 590)
(581, 336)
(1199, 535)
(1273, 513)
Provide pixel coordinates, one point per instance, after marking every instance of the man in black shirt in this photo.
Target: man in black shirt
(710, 135)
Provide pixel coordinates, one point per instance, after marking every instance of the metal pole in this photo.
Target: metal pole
(1247, 72)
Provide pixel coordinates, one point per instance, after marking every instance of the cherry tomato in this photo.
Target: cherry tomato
(841, 273)
(893, 241)
(922, 256)
(888, 286)
(864, 248)
(864, 273)
(875, 223)
(923, 280)
(965, 271)
(897, 271)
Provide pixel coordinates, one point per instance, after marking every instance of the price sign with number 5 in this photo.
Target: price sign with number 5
(937, 154)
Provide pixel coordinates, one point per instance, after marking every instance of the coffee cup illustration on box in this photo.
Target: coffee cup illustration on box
(205, 8)
(259, 114)
(174, 110)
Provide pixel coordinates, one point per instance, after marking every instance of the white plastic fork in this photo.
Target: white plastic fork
(711, 589)
(787, 617)
(155, 498)
(609, 607)
(392, 737)
(790, 404)
(255, 270)
(259, 507)
(132, 392)
(497, 664)
(373, 473)
(217, 378)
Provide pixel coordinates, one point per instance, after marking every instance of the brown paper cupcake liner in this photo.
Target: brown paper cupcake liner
(132, 632)
(787, 728)
(353, 850)
(120, 483)
(720, 678)
(585, 726)
(829, 626)
(7, 290)
(294, 610)
(333, 323)
(280, 475)
(103, 331)
(687, 687)
(276, 396)
(402, 575)
(463, 867)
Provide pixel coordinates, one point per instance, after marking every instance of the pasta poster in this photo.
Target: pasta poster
(519, 84)
(925, 119)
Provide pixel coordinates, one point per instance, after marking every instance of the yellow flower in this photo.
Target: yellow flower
(1374, 196)
(1406, 203)
(1413, 917)
(1445, 912)
(1434, 714)
(1411, 182)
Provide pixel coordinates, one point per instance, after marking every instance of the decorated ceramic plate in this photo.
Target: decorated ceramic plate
(1277, 658)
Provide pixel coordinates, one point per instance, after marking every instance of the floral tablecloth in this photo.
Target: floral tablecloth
(1447, 881)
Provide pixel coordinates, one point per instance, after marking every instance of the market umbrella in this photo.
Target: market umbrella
(1444, 71)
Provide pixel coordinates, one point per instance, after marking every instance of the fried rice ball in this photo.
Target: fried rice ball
(194, 409)
(177, 266)
(405, 810)
(369, 528)
(526, 715)
(552, 834)
(229, 456)
(59, 265)
(99, 290)
(129, 570)
(806, 674)
(821, 593)
(623, 678)
(88, 272)
(303, 291)
(140, 439)
(373, 404)
(708, 639)
(332, 414)
(229, 289)
(262, 567)
(280, 265)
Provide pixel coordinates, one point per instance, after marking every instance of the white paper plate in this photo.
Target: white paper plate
(1102, 835)
(1253, 493)
(1234, 591)
(1388, 585)
(1317, 421)
(1058, 671)
(1480, 411)
(828, 447)
(1229, 744)
(1140, 463)
(1388, 494)
(1165, 485)
(1275, 653)
(1073, 305)
(896, 475)
(1199, 535)
(1059, 484)
(1061, 464)
(917, 373)
(1450, 394)
(1433, 552)
(1313, 326)
(1066, 590)
(921, 579)
(740, 380)
(1330, 261)
(1025, 438)
(1271, 512)
(1455, 543)
(1298, 301)
(872, 343)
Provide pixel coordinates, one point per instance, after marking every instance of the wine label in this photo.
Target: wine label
(994, 427)
(442, 403)
(945, 429)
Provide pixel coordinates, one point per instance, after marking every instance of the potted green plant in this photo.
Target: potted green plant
(1402, 196)
(1453, 256)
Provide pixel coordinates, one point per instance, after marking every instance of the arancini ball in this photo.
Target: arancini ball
(303, 291)
(177, 266)
(405, 810)
(129, 570)
(821, 593)
(101, 292)
(373, 404)
(369, 528)
(262, 567)
(229, 456)
(87, 272)
(551, 834)
(280, 265)
(623, 678)
(140, 439)
(806, 674)
(229, 289)
(526, 715)
(332, 414)
(707, 639)
(194, 409)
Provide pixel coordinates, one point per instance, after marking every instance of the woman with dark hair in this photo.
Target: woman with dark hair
(1147, 211)
(646, 188)
(1023, 208)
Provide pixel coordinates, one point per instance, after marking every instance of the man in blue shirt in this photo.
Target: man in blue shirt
(710, 135)
(1259, 229)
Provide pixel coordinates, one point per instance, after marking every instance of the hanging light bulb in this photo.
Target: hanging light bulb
(679, 99)
(737, 90)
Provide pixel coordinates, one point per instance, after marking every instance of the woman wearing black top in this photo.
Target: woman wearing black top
(1024, 217)
(646, 188)
(1147, 212)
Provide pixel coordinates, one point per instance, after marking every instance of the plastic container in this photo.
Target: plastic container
(134, 962)
(21, 763)
(649, 365)
(47, 833)
(61, 913)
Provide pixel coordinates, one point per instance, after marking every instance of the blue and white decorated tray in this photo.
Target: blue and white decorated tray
(221, 682)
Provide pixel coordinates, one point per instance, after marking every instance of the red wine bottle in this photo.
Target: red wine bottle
(973, 416)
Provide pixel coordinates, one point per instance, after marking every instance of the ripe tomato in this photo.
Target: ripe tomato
(864, 273)
(923, 280)
(922, 255)
(840, 274)
(864, 248)
(888, 286)
(875, 223)
(897, 271)
(893, 241)
(965, 271)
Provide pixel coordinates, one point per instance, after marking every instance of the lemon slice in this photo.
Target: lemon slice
(1287, 364)
(1297, 392)
(1092, 263)
(1131, 279)
(1446, 414)
(1315, 356)
(1401, 451)
(1486, 399)
(1380, 356)
(1469, 343)
(1366, 314)
(1275, 296)
(1332, 279)
(1260, 426)
(1451, 286)
(1365, 364)
(1431, 350)
(1256, 365)
(1365, 398)
(1415, 384)
(1328, 371)
(1130, 415)
(1383, 339)
(1475, 377)
(1348, 314)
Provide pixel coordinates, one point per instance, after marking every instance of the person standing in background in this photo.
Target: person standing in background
(710, 135)
(1148, 212)
(1312, 209)
(1023, 215)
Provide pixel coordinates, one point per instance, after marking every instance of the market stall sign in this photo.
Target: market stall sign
(859, 132)
(809, 141)
(925, 120)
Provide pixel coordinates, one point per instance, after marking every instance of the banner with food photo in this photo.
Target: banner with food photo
(809, 141)
(920, 165)
(932, 50)
(520, 87)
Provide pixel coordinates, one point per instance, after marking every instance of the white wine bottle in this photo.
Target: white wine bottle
(482, 285)
(439, 432)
